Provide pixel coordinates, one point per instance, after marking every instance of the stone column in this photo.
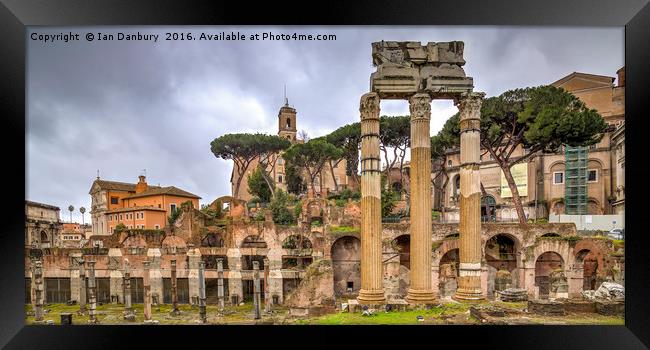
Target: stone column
(202, 312)
(115, 275)
(220, 291)
(174, 291)
(83, 288)
(147, 290)
(235, 285)
(194, 257)
(420, 290)
(37, 277)
(128, 309)
(469, 280)
(92, 293)
(256, 289)
(267, 294)
(155, 276)
(372, 291)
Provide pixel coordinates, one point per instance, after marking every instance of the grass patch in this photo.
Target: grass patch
(343, 229)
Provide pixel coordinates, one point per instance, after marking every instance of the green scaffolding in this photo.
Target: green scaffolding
(575, 183)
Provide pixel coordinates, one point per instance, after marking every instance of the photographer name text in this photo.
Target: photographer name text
(177, 36)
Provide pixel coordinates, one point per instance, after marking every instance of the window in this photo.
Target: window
(173, 207)
(449, 162)
(279, 178)
(114, 200)
(592, 175)
(280, 161)
(141, 215)
(157, 227)
(558, 177)
(159, 205)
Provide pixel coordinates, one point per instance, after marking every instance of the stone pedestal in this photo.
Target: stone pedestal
(372, 291)
(469, 280)
(420, 291)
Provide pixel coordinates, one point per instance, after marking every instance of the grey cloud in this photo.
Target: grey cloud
(125, 106)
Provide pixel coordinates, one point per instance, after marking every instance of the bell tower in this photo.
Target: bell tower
(287, 121)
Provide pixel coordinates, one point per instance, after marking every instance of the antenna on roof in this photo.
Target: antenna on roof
(97, 174)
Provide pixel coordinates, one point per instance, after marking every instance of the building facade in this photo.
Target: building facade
(542, 179)
(43, 225)
(136, 206)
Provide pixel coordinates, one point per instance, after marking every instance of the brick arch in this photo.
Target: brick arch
(598, 248)
(558, 246)
(446, 246)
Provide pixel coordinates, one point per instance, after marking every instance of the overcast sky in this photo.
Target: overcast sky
(123, 106)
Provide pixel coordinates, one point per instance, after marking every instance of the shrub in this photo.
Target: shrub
(281, 214)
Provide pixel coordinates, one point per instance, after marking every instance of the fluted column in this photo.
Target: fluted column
(372, 291)
(420, 291)
(469, 280)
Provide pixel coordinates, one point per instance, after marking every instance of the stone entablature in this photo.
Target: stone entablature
(406, 68)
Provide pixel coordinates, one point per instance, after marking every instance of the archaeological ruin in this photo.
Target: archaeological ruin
(335, 252)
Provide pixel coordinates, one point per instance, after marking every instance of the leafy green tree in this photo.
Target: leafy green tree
(279, 208)
(348, 139)
(312, 156)
(71, 209)
(295, 183)
(173, 216)
(243, 149)
(388, 198)
(82, 210)
(538, 119)
(395, 135)
(257, 185)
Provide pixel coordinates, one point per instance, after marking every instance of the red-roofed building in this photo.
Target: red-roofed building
(137, 206)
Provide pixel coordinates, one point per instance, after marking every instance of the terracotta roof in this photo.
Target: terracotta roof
(170, 190)
(120, 210)
(41, 205)
(116, 186)
(602, 78)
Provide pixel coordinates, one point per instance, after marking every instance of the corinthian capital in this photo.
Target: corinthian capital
(469, 105)
(369, 106)
(420, 106)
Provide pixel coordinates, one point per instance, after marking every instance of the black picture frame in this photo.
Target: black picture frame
(15, 15)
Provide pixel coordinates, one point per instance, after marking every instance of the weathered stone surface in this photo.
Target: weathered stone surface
(544, 307)
(513, 295)
(610, 308)
(579, 306)
(316, 289)
(610, 291)
(405, 68)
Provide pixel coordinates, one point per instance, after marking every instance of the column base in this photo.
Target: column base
(420, 296)
(371, 297)
(473, 294)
